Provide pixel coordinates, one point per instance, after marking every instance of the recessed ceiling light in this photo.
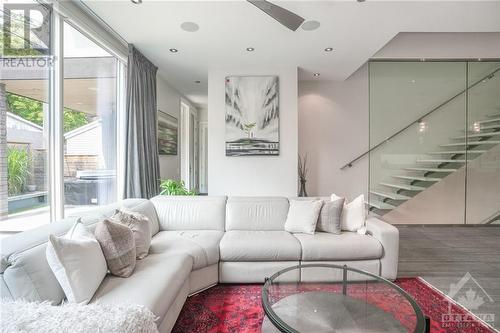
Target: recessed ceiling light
(79, 103)
(137, 2)
(329, 49)
(316, 74)
(250, 49)
(190, 26)
(174, 50)
(197, 81)
(361, 0)
(413, 81)
(310, 25)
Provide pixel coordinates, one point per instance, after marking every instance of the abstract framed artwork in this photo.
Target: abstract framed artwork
(252, 115)
(168, 134)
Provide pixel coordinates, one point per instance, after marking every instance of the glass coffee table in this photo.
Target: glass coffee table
(324, 298)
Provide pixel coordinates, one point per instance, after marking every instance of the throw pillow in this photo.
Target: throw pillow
(330, 216)
(354, 214)
(77, 262)
(118, 246)
(303, 216)
(140, 226)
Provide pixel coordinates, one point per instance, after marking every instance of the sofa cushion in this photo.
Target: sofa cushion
(155, 283)
(201, 245)
(239, 245)
(346, 246)
(190, 212)
(256, 213)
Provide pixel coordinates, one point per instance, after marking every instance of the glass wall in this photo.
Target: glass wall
(24, 109)
(434, 129)
(81, 131)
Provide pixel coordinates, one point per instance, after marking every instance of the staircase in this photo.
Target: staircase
(447, 159)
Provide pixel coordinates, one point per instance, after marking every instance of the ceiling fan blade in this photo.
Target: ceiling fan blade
(290, 20)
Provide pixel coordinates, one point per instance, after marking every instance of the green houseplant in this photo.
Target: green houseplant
(19, 162)
(172, 187)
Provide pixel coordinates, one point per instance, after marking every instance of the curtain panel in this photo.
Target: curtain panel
(142, 168)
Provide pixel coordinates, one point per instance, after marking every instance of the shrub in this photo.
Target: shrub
(19, 162)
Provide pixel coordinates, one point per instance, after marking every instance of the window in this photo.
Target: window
(24, 107)
(78, 155)
(90, 123)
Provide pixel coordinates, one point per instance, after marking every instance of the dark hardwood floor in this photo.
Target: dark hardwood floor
(444, 255)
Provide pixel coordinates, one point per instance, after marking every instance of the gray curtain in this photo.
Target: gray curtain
(142, 168)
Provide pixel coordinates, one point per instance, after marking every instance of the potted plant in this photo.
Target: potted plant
(172, 187)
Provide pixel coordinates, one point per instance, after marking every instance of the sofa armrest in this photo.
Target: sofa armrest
(388, 236)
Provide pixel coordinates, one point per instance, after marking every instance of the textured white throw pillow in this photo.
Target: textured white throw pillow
(354, 214)
(77, 262)
(303, 216)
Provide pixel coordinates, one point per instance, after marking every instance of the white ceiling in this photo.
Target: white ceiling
(355, 30)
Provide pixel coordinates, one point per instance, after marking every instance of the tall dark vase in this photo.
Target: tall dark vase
(303, 191)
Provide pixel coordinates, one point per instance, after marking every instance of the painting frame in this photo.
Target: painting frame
(252, 115)
(168, 134)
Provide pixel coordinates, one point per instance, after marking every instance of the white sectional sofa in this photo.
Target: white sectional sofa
(197, 242)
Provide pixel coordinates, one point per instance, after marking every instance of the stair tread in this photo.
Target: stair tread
(404, 187)
(479, 135)
(488, 120)
(473, 151)
(423, 179)
(393, 196)
(441, 161)
(380, 205)
(471, 143)
(431, 169)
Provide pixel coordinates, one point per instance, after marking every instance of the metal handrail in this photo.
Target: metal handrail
(487, 77)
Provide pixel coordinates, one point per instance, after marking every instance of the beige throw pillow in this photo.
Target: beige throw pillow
(118, 246)
(140, 227)
(303, 216)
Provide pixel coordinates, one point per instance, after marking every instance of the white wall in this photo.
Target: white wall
(253, 175)
(169, 101)
(333, 129)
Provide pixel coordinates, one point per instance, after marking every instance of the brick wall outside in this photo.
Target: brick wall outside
(74, 163)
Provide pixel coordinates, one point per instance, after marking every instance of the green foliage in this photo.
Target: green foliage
(27, 108)
(172, 187)
(19, 162)
(32, 110)
(74, 119)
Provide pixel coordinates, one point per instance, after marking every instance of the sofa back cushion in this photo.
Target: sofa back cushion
(26, 272)
(190, 212)
(256, 213)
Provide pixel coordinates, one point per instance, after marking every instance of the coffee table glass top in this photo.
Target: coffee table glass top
(329, 298)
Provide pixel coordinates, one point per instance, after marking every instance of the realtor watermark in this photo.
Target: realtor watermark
(471, 295)
(26, 36)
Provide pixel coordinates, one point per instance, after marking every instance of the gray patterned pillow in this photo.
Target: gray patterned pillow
(329, 217)
(118, 246)
(140, 227)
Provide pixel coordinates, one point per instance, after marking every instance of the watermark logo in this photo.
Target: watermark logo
(26, 29)
(472, 296)
(25, 37)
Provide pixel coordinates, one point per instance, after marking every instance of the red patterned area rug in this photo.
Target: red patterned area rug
(238, 309)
